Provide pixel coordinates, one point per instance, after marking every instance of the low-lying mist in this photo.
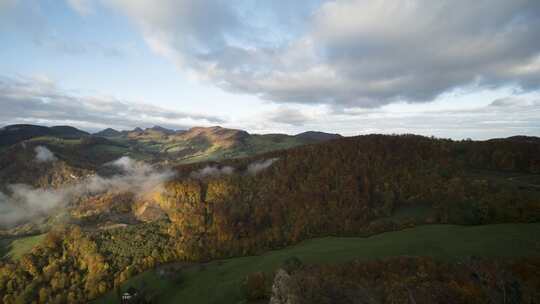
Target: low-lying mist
(258, 166)
(23, 203)
(215, 171)
(212, 171)
(44, 155)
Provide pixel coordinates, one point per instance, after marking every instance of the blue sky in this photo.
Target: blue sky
(447, 68)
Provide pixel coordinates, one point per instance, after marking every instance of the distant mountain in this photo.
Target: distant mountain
(197, 143)
(215, 143)
(316, 136)
(68, 132)
(109, 132)
(222, 137)
(13, 134)
(158, 143)
(160, 129)
(519, 138)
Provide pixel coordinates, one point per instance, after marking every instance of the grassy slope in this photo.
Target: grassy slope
(255, 144)
(220, 281)
(15, 248)
(205, 151)
(196, 151)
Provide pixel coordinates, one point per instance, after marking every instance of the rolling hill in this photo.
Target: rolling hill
(244, 206)
(208, 143)
(79, 150)
(13, 134)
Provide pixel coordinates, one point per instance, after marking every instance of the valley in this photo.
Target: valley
(442, 242)
(81, 220)
(269, 152)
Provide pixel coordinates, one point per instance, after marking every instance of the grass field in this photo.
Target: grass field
(220, 281)
(15, 248)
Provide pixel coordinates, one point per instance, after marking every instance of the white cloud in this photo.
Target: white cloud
(83, 7)
(289, 115)
(212, 171)
(44, 155)
(258, 166)
(39, 100)
(348, 53)
(513, 115)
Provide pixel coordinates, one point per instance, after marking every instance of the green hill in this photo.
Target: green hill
(13, 134)
(357, 186)
(445, 242)
(211, 143)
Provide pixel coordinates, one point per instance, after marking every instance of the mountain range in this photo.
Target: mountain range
(158, 143)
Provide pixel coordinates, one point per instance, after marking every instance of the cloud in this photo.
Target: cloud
(513, 115)
(348, 53)
(39, 100)
(44, 155)
(479, 115)
(24, 203)
(216, 171)
(29, 20)
(212, 171)
(258, 166)
(83, 7)
(288, 115)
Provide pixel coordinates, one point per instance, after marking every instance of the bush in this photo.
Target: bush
(255, 286)
(291, 264)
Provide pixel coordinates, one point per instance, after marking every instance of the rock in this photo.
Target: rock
(281, 289)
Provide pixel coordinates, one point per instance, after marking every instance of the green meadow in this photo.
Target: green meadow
(220, 281)
(14, 248)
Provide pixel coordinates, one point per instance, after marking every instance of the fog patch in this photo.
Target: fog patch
(44, 155)
(257, 167)
(22, 202)
(212, 171)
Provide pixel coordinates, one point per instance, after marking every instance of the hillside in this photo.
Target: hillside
(109, 132)
(357, 186)
(227, 278)
(157, 144)
(77, 149)
(13, 134)
(317, 136)
(207, 143)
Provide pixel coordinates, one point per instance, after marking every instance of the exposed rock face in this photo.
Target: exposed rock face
(281, 289)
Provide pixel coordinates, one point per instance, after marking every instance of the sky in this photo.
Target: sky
(449, 68)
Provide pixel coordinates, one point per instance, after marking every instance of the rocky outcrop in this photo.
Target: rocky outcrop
(281, 289)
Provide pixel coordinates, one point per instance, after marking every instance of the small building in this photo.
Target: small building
(130, 296)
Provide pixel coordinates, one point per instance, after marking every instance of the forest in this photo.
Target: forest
(345, 187)
(407, 280)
